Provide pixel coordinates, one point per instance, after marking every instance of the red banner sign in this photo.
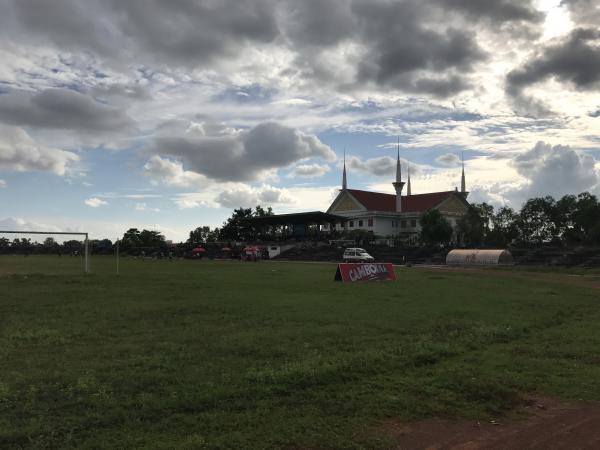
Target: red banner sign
(365, 272)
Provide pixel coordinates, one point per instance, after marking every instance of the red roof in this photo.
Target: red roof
(376, 201)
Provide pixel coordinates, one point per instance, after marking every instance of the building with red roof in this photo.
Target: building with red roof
(395, 215)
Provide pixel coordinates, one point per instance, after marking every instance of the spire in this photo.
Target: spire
(408, 190)
(398, 166)
(463, 186)
(344, 183)
(398, 184)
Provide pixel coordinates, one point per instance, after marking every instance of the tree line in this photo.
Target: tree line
(571, 220)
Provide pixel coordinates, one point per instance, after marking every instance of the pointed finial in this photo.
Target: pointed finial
(398, 165)
(408, 188)
(344, 182)
(463, 185)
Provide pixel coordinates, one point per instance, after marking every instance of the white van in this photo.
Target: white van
(357, 255)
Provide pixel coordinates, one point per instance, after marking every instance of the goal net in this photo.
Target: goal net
(43, 252)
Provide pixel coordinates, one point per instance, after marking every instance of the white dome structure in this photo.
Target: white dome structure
(474, 257)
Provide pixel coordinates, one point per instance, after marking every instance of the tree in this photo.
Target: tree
(238, 228)
(536, 220)
(471, 227)
(504, 230)
(50, 245)
(586, 218)
(131, 239)
(152, 239)
(4, 245)
(435, 229)
(135, 241)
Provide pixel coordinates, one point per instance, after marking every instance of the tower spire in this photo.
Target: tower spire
(344, 183)
(398, 165)
(463, 186)
(408, 190)
(398, 184)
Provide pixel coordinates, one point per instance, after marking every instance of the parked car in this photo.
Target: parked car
(357, 255)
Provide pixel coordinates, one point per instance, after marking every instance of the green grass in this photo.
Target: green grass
(188, 354)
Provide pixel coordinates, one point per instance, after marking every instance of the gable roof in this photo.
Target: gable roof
(376, 201)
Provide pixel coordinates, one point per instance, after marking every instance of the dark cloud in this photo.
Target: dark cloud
(242, 156)
(319, 23)
(448, 160)
(61, 109)
(426, 47)
(497, 10)
(69, 24)
(402, 48)
(583, 12)
(194, 32)
(574, 60)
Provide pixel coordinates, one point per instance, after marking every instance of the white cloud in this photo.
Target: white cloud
(19, 224)
(2, 183)
(309, 171)
(172, 173)
(20, 152)
(145, 207)
(95, 202)
(246, 196)
(556, 170)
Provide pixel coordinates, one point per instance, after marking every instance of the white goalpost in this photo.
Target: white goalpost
(86, 258)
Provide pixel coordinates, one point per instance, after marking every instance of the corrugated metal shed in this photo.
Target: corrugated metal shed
(474, 257)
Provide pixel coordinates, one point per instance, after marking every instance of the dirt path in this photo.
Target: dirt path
(590, 281)
(545, 424)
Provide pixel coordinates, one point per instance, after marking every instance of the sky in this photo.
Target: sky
(166, 115)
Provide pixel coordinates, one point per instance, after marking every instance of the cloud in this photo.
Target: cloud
(382, 166)
(498, 10)
(404, 54)
(198, 32)
(245, 196)
(555, 170)
(172, 173)
(19, 152)
(416, 46)
(574, 60)
(584, 12)
(19, 224)
(145, 207)
(228, 155)
(95, 202)
(61, 109)
(448, 160)
(2, 184)
(309, 171)
(188, 203)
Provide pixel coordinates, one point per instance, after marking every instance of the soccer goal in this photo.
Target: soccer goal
(50, 246)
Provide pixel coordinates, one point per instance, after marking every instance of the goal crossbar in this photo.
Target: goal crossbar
(74, 233)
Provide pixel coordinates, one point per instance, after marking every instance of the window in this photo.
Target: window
(352, 224)
(325, 226)
(413, 223)
(403, 224)
(360, 223)
(370, 222)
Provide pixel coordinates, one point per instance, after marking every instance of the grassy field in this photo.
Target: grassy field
(188, 354)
